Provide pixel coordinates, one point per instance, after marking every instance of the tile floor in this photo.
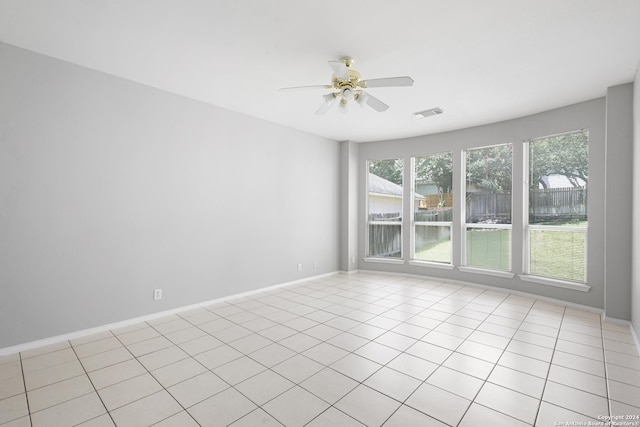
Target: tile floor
(346, 351)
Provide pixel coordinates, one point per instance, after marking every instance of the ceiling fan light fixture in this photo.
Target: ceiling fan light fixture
(342, 106)
(347, 93)
(327, 101)
(329, 98)
(428, 113)
(361, 99)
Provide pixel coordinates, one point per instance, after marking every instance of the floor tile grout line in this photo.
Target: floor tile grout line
(486, 380)
(58, 382)
(26, 394)
(606, 370)
(398, 291)
(95, 390)
(546, 380)
(155, 379)
(326, 366)
(441, 365)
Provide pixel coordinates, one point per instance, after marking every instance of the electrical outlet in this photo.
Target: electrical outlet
(315, 265)
(353, 260)
(157, 294)
(299, 267)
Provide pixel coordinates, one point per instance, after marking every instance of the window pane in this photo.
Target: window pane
(558, 177)
(433, 243)
(488, 248)
(433, 202)
(385, 240)
(558, 188)
(385, 208)
(558, 254)
(433, 184)
(488, 185)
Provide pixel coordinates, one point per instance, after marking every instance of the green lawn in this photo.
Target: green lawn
(488, 248)
(436, 251)
(555, 254)
(558, 254)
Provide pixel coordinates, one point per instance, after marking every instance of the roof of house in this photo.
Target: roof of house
(385, 187)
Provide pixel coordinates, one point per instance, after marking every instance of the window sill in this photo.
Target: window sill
(430, 264)
(487, 272)
(384, 260)
(555, 283)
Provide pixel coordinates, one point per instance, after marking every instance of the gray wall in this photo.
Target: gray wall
(348, 206)
(635, 283)
(587, 115)
(618, 201)
(109, 189)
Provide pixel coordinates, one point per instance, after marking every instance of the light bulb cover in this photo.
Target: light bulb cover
(362, 98)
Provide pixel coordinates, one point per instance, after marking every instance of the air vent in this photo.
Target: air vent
(429, 112)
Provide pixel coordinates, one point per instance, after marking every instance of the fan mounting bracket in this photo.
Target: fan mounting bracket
(347, 60)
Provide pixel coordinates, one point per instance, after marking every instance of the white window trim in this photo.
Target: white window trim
(556, 283)
(434, 223)
(496, 226)
(384, 260)
(431, 264)
(487, 271)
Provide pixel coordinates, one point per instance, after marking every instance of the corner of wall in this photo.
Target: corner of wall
(635, 250)
(618, 205)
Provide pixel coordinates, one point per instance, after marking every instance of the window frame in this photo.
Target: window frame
(527, 227)
(465, 226)
(413, 223)
(381, 259)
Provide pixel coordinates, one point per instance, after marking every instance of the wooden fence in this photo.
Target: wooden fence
(385, 240)
(489, 207)
(554, 203)
(544, 205)
(435, 214)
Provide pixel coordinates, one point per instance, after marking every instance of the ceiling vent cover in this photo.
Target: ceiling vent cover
(430, 112)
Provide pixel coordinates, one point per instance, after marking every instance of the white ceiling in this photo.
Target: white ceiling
(481, 61)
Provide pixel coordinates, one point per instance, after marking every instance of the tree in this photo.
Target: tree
(565, 155)
(490, 168)
(439, 170)
(390, 169)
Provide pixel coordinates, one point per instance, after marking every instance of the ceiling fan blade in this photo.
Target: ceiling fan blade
(375, 103)
(339, 69)
(389, 82)
(286, 89)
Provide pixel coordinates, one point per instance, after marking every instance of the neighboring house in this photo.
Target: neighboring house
(385, 197)
(426, 188)
(559, 181)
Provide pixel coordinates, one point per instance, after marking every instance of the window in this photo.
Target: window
(433, 208)
(557, 222)
(385, 208)
(488, 207)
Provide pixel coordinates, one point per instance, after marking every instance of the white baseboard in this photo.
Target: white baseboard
(622, 322)
(85, 332)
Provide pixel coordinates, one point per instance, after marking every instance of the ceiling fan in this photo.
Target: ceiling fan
(347, 85)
